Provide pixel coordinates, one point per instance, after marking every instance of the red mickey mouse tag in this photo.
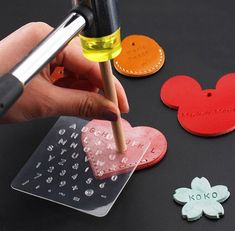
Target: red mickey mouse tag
(209, 112)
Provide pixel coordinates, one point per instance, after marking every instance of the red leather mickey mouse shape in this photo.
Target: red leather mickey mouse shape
(209, 112)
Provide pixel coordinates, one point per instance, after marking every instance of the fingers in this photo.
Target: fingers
(97, 81)
(84, 104)
(73, 60)
(21, 42)
(93, 80)
(42, 99)
(72, 83)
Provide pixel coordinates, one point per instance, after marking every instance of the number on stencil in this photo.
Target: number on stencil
(74, 177)
(89, 192)
(62, 162)
(89, 180)
(49, 180)
(38, 164)
(114, 178)
(62, 183)
(62, 194)
(63, 172)
(51, 169)
(38, 175)
(102, 185)
(25, 182)
(87, 169)
(74, 187)
(76, 199)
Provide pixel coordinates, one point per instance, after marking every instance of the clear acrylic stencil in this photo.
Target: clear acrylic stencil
(60, 171)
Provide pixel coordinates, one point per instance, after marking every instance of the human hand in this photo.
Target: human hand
(74, 95)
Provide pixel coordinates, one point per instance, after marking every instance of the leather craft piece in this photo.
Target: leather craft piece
(140, 56)
(201, 199)
(96, 132)
(57, 74)
(209, 112)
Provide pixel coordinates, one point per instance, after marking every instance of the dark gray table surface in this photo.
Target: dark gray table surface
(198, 38)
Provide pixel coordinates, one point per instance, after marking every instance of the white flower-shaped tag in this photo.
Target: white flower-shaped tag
(201, 198)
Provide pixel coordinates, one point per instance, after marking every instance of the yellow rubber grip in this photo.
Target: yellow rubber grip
(102, 49)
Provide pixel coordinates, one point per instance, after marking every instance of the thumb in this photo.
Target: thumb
(84, 104)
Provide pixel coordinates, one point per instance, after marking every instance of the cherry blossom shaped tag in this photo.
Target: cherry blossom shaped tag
(202, 198)
(145, 147)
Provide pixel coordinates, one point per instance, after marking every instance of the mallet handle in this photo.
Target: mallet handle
(111, 94)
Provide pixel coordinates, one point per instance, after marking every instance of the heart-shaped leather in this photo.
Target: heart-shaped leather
(209, 112)
(99, 146)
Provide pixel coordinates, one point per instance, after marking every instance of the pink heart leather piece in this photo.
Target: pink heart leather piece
(99, 146)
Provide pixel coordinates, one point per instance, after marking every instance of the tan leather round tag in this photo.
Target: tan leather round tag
(140, 56)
